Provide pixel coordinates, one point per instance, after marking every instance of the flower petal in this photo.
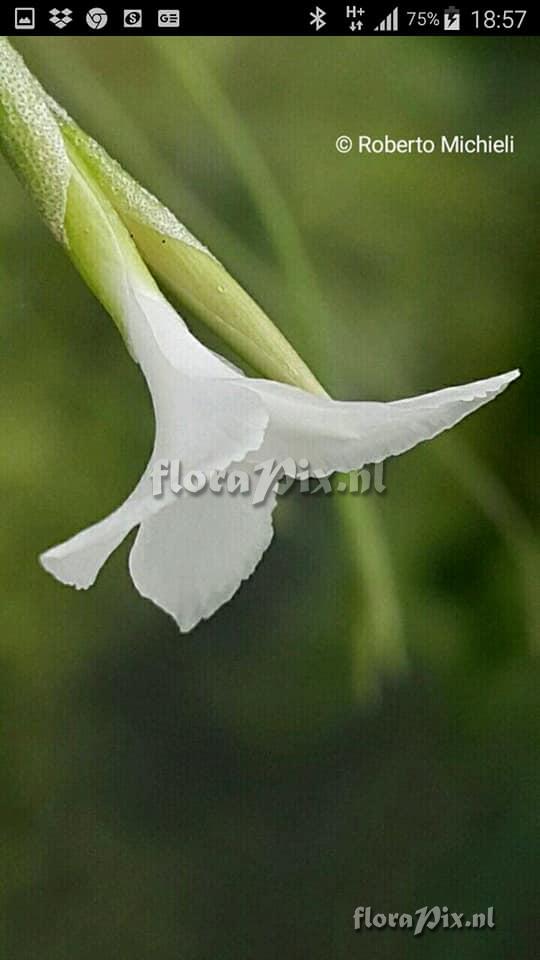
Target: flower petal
(207, 426)
(334, 435)
(205, 421)
(192, 557)
(78, 560)
(151, 322)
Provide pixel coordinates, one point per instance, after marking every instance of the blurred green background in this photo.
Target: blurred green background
(360, 725)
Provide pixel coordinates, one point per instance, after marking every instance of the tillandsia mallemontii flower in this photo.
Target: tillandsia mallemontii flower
(191, 554)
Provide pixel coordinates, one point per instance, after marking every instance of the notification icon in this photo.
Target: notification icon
(133, 18)
(168, 18)
(25, 18)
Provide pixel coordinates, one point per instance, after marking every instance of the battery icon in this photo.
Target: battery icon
(451, 18)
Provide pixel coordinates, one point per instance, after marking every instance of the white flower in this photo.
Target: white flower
(192, 553)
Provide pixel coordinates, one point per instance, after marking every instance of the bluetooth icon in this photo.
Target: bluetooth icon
(317, 18)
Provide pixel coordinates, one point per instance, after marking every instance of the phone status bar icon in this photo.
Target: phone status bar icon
(97, 18)
(389, 24)
(318, 18)
(451, 18)
(25, 18)
(133, 19)
(60, 18)
(168, 19)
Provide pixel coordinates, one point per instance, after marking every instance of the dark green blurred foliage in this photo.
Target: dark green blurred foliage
(227, 794)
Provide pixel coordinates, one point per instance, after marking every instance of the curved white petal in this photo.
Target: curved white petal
(151, 322)
(205, 414)
(191, 558)
(77, 561)
(334, 435)
(204, 417)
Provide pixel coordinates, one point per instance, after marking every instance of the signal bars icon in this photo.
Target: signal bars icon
(389, 24)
